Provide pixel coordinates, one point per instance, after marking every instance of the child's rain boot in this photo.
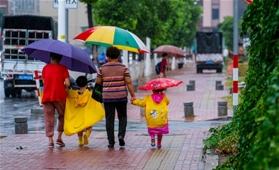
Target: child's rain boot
(80, 141)
(159, 140)
(152, 140)
(86, 136)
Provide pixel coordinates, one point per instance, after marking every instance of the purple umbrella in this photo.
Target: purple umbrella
(74, 58)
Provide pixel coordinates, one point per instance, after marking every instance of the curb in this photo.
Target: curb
(211, 159)
(37, 110)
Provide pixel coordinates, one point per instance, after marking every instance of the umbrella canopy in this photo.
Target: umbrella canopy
(160, 83)
(110, 36)
(170, 49)
(74, 58)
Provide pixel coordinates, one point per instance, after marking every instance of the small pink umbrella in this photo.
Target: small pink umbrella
(160, 84)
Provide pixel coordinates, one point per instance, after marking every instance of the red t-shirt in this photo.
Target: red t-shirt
(54, 76)
(163, 65)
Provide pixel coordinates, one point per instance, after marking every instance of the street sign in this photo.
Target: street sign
(249, 1)
(69, 4)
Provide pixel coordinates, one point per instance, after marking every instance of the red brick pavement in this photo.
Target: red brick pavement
(204, 86)
(181, 150)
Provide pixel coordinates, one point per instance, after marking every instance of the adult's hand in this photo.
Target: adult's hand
(132, 99)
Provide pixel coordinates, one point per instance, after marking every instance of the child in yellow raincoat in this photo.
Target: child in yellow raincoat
(156, 114)
(81, 112)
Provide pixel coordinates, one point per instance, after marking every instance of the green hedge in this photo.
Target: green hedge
(256, 122)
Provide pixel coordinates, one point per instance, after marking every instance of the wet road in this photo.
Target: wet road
(13, 107)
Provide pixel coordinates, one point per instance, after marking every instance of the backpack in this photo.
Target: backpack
(156, 114)
(158, 68)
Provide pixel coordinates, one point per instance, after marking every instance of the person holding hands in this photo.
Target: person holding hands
(156, 114)
(115, 79)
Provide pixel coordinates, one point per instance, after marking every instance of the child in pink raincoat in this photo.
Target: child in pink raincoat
(156, 114)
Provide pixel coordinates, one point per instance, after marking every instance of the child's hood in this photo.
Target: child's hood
(82, 100)
(157, 98)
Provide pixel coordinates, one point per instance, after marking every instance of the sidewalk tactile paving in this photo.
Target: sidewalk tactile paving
(165, 159)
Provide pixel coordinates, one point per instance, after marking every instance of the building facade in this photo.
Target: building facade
(77, 18)
(214, 12)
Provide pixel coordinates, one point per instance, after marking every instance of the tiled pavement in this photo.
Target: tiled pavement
(181, 149)
(205, 97)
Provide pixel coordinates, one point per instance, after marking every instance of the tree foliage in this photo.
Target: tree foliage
(164, 21)
(256, 121)
(120, 13)
(89, 4)
(227, 29)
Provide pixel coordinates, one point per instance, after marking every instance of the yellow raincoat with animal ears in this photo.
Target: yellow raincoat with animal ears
(81, 112)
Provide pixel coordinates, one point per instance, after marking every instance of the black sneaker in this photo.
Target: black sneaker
(121, 141)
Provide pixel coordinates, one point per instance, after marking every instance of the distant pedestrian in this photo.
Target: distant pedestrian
(102, 59)
(164, 65)
(115, 78)
(156, 114)
(56, 80)
(81, 112)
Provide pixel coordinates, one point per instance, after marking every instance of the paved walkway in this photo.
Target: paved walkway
(181, 149)
(205, 97)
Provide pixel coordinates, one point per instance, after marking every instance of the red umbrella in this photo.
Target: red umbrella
(160, 83)
(170, 49)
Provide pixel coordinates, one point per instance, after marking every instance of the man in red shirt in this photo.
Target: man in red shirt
(56, 80)
(163, 65)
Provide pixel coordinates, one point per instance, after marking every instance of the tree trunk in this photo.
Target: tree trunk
(89, 16)
(91, 24)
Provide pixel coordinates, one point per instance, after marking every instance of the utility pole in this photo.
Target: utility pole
(147, 58)
(67, 25)
(61, 20)
(235, 57)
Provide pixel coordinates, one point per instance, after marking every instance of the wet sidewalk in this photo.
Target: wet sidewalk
(205, 97)
(181, 148)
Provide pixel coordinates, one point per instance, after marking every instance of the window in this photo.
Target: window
(3, 10)
(215, 13)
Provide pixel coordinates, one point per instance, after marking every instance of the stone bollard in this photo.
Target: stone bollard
(222, 108)
(21, 126)
(217, 82)
(188, 109)
(192, 82)
(190, 87)
(220, 87)
(135, 85)
(142, 110)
